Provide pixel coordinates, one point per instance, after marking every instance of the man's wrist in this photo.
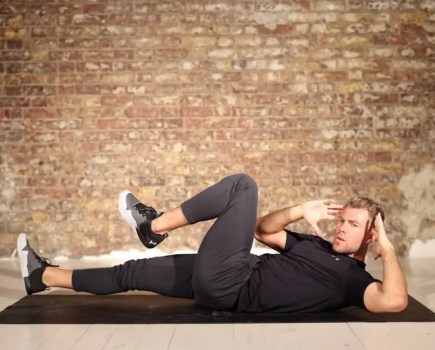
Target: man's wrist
(387, 251)
(296, 212)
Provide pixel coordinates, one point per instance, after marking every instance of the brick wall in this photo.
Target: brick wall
(311, 98)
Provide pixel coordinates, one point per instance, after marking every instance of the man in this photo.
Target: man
(309, 274)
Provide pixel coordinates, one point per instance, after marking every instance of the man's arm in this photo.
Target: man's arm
(392, 294)
(270, 228)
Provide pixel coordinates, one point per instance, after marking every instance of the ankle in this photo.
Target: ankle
(46, 276)
(157, 226)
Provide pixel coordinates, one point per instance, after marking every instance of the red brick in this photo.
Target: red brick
(115, 100)
(163, 54)
(138, 112)
(196, 111)
(14, 44)
(276, 30)
(380, 156)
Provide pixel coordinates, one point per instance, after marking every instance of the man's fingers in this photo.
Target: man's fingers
(335, 206)
(379, 225)
(316, 229)
(328, 200)
(332, 206)
(334, 211)
(378, 221)
(332, 217)
(333, 214)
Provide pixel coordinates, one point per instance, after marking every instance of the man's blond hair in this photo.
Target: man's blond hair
(371, 205)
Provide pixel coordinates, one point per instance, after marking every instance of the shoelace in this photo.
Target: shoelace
(44, 261)
(144, 210)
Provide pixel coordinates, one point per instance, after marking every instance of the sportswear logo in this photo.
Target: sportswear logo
(335, 257)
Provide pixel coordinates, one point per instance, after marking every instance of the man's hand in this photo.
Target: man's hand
(315, 211)
(383, 243)
(392, 294)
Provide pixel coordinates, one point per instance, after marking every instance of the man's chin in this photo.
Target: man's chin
(340, 251)
(335, 248)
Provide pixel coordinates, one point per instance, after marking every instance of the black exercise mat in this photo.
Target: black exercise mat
(152, 309)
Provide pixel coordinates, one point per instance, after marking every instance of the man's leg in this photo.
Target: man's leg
(224, 262)
(57, 277)
(142, 219)
(169, 275)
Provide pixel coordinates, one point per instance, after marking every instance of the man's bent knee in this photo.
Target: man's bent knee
(245, 181)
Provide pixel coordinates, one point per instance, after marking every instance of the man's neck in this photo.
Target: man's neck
(360, 254)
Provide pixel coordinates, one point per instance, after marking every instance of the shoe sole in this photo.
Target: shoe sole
(126, 214)
(22, 256)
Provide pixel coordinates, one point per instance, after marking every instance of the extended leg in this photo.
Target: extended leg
(57, 277)
(169, 275)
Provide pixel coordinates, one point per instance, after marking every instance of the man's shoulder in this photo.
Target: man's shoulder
(305, 236)
(315, 241)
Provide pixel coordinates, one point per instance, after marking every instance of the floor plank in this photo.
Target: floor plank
(310, 336)
(24, 337)
(157, 337)
(66, 337)
(249, 337)
(126, 336)
(397, 336)
(95, 337)
(207, 337)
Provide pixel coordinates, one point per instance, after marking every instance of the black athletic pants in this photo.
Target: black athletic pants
(213, 276)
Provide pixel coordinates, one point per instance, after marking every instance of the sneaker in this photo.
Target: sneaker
(32, 266)
(139, 216)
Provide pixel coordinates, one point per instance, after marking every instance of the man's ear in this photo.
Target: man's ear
(370, 234)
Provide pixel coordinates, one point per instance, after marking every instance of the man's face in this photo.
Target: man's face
(352, 231)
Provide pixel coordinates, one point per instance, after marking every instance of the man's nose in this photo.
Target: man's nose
(341, 226)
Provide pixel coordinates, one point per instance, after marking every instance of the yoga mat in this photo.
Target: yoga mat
(153, 309)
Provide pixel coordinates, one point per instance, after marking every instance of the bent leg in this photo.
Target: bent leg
(169, 275)
(224, 262)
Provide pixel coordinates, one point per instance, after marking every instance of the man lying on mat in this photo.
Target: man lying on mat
(309, 274)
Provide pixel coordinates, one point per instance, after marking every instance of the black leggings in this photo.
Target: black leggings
(213, 276)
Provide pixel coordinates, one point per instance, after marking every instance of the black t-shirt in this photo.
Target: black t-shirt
(307, 276)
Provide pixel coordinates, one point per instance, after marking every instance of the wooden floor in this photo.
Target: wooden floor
(415, 336)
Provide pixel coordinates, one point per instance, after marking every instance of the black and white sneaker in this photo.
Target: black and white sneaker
(139, 216)
(32, 266)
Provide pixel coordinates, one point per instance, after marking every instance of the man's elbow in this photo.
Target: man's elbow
(398, 304)
(402, 303)
(260, 238)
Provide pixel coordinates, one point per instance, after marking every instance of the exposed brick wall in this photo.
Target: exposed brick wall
(311, 98)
